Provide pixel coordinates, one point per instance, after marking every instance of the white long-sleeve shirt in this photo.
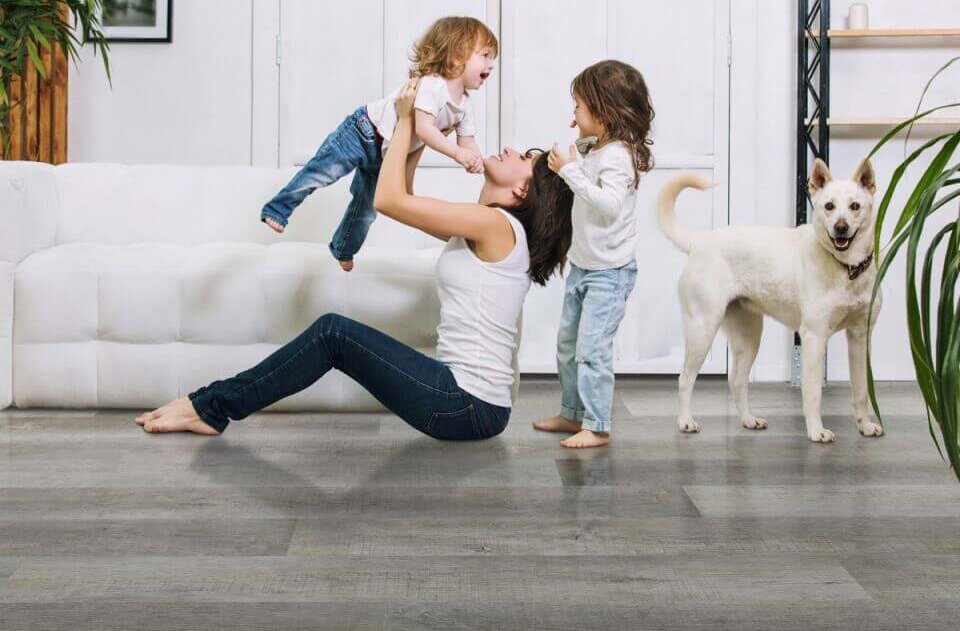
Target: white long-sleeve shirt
(604, 217)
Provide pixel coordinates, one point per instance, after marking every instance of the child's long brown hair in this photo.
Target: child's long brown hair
(447, 45)
(617, 96)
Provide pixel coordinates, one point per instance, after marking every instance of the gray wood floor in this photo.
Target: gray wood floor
(345, 521)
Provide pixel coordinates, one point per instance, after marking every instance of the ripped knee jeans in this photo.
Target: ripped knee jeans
(594, 302)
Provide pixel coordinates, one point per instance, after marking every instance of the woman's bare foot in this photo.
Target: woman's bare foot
(346, 265)
(275, 225)
(586, 438)
(176, 416)
(557, 424)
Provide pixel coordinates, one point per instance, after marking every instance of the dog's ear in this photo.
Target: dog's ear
(818, 177)
(865, 178)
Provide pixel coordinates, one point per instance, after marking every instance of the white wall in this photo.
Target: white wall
(192, 102)
(188, 102)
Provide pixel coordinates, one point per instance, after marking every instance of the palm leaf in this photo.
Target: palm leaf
(933, 329)
(923, 95)
(26, 26)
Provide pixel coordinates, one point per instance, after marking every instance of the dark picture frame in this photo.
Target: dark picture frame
(160, 33)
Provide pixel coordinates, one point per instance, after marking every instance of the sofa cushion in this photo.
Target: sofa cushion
(157, 320)
(175, 204)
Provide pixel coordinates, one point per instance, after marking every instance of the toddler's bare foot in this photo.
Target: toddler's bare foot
(557, 424)
(176, 416)
(346, 265)
(276, 226)
(586, 438)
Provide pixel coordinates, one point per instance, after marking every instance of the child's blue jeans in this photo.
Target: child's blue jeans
(593, 305)
(353, 146)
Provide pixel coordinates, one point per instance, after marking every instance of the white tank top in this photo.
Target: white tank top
(480, 306)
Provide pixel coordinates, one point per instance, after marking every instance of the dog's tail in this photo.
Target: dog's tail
(682, 236)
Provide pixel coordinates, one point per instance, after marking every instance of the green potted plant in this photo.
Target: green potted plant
(29, 26)
(933, 311)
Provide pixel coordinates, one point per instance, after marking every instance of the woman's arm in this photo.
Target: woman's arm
(412, 161)
(486, 227)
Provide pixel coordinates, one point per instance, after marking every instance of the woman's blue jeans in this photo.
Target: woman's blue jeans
(419, 389)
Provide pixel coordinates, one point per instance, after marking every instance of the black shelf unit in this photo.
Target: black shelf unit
(813, 89)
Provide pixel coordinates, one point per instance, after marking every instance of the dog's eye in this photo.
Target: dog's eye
(829, 206)
(855, 206)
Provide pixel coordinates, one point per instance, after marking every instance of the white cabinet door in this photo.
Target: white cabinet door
(405, 21)
(682, 51)
(331, 62)
(336, 56)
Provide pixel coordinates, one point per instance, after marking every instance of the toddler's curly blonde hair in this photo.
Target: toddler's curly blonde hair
(448, 44)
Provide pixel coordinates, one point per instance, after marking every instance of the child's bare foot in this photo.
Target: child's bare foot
(346, 265)
(275, 225)
(586, 438)
(557, 424)
(176, 416)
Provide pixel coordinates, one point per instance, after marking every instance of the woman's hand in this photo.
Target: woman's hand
(406, 98)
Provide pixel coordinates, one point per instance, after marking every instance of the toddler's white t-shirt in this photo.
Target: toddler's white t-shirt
(433, 97)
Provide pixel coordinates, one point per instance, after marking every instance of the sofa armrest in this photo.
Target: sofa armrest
(28, 209)
(28, 216)
(6, 333)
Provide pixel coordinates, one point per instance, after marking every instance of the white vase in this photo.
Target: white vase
(857, 18)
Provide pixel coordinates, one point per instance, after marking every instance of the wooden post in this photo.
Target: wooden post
(38, 115)
(31, 141)
(15, 92)
(60, 99)
(45, 109)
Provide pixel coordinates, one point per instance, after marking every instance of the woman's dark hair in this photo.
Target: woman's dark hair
(617, 96)
(545, 214)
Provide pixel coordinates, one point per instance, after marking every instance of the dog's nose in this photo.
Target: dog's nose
(841, 227)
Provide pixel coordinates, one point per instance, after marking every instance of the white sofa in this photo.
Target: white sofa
(126, 286)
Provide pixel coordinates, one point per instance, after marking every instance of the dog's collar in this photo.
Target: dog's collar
(854, 271)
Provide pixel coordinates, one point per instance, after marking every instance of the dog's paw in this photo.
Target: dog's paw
(822, 436)
(688, 425)
(754, 423)
(869, 428)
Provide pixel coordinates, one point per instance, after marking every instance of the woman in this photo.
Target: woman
(518, 231)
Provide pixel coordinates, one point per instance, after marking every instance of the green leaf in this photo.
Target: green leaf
(32, 49)
(28, 26)
(932, 172)
(892, 186)
(884, 266)
(898, 128)
(923, 95)
(927, 279)
(39, 36)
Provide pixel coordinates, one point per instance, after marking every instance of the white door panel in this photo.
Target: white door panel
(682, 52)
(331, 62)
(336, 56)
(545, 43)
(405, 22)
(673, 44)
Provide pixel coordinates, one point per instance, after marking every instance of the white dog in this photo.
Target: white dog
(816, 279)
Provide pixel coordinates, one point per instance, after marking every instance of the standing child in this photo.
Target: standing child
(613, 114)
(453, 57)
